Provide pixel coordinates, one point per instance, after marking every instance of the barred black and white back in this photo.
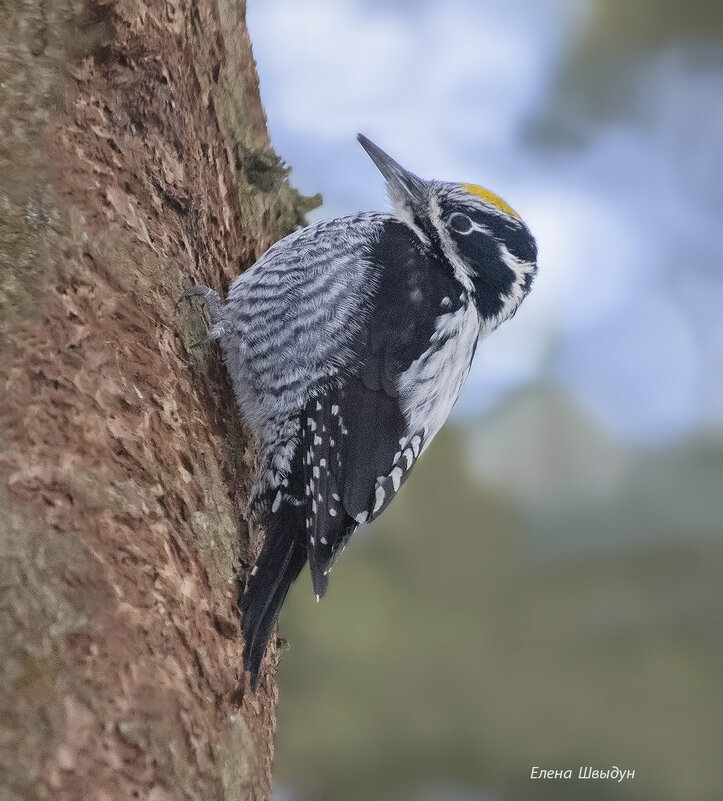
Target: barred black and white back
(347, 344)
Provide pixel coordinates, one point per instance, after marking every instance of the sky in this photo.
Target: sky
(626, 313)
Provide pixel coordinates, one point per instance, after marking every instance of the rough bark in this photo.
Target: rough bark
(134, 159)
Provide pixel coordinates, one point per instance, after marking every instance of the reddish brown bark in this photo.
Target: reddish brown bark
(134, 160)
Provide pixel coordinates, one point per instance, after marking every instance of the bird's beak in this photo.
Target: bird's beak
(405, 188)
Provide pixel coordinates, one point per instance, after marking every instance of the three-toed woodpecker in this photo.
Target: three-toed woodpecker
(347, 344)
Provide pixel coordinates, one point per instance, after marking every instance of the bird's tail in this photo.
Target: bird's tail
(278, 565)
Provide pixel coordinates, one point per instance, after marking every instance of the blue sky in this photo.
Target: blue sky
(626, 313)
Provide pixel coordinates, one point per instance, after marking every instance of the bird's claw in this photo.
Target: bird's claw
(213, 302)
(216, 332)
(209, 296)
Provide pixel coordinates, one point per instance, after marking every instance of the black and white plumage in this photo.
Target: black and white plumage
(347, 344)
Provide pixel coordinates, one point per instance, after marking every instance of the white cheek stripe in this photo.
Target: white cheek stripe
(460, 272)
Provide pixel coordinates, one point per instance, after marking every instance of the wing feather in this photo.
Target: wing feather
(292, 319)
(358, 442)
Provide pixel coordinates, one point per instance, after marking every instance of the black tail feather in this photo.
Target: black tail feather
(280, 562)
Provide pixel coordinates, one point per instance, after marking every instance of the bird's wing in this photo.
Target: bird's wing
(357, 442)
(291, 320)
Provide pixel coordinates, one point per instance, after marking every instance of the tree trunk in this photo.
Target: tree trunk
(134, 159)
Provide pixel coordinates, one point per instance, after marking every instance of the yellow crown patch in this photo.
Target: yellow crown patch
(490, 197)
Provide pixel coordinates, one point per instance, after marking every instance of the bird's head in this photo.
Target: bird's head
(491, 250)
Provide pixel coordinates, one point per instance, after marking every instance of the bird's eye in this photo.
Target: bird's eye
(460, 223)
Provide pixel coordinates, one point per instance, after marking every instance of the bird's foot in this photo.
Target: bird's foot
(209, 296)
(213, 303)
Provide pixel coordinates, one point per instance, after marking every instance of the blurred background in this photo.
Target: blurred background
(546, 591)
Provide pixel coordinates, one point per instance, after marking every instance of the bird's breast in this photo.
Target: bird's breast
(432, 383)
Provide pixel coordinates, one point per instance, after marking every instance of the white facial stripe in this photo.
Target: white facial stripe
(403, 213)
(483, 229)
(460, 271)
(514, 297)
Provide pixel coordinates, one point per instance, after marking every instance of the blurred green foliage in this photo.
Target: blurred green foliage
(452, 650)
(599, 81)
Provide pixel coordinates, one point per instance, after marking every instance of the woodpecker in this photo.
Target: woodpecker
(347, 344)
